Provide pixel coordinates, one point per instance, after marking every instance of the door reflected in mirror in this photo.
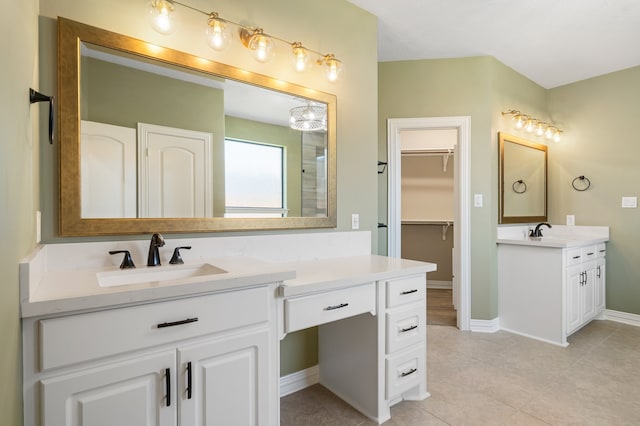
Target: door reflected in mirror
(523, 180)
(143, 131)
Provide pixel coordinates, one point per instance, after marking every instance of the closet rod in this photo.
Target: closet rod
(428, 153)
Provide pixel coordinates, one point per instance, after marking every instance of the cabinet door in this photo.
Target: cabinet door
(225, 381)
(600, 287)
(574, 295)
(588, 292)
(135, 392)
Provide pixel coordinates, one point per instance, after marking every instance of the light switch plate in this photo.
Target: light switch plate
(629, 202)
(355, 221)
(477, 200)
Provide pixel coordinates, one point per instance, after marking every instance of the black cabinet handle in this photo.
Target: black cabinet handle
(599, 272)
(590, 254)
(189, 380)
(174, 323)
(408, 372)
(402, 293)
(404, 330)
(331, 308)
(576, 257)
(167, 384)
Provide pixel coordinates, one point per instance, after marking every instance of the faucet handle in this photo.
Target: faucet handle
(127, 262)
(176, 259)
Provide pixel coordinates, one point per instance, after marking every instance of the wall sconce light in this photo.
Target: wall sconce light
(218, 33)
(162, 16)
(531, 124)
(219, 37)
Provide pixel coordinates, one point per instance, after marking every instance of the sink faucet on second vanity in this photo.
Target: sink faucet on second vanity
(157, 240)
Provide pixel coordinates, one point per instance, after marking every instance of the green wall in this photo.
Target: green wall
(254, 131)
(480, 87)
(600, 117)
(19, 147)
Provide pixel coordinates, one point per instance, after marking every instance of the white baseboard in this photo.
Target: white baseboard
(441, 285)
(299, 380)
(623, 317)
(485, 326)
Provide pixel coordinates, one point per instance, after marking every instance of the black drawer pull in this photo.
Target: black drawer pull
(576, 257)
(167, 381)
(174, 323)
(590, 254)
(331, 308)
(404, 330)
(408, 372)
(402, 293)
(602, 251)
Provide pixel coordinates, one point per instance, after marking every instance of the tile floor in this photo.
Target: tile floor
(506, 379)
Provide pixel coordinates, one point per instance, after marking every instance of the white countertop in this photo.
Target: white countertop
(559, 236)
(46, 292)
(329, 274)
(77, 290)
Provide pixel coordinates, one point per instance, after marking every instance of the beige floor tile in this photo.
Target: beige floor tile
(506, 379)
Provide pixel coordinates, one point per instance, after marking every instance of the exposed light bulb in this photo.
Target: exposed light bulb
(519, 121)
(162, 16)
(334, 67)
(262, 46)
(218, 33)
(540, 129)
(548, 133)
(300, 57)
(529, 126)
(556, 136)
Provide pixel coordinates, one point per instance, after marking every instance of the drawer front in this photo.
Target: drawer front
(601, 250)
(406, 290)
(308, 311)
(77, 338)
(405, 327)
(574, 256)
(588, 253)
(405, 370)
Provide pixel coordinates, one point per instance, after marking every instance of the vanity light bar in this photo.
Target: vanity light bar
(534, 125)
(261, 45)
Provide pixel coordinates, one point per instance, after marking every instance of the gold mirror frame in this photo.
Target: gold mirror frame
(70, 36)
(503, 139)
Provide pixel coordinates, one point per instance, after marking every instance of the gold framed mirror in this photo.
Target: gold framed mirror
(90, 185)
(522, 181)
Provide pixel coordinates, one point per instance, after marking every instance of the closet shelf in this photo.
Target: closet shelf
(428, 222)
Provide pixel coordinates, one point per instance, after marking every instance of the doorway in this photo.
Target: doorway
(461, 213)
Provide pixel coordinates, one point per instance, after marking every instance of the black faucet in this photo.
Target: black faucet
(157, 240)
(537, 233)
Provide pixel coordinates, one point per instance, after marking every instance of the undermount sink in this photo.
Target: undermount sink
(156, 274)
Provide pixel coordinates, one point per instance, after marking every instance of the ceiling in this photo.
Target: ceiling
(552, 42)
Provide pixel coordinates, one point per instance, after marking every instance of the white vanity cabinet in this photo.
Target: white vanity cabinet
(585, 279)
(548, 292)
(206, 360)
(372, 340)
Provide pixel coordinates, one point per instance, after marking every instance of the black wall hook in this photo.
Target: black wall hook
(39, 97)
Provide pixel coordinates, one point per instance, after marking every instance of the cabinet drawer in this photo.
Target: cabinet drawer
(308, 311)
(405, 370)
(601, 250)
(574, 256)
(588, 253)
(405, 327)
(77, 338)
(406, 290)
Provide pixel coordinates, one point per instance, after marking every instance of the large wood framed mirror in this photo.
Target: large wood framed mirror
(157, 140)
(523, 180)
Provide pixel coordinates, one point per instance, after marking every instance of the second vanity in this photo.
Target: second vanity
(550, 287)
(104, 346)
